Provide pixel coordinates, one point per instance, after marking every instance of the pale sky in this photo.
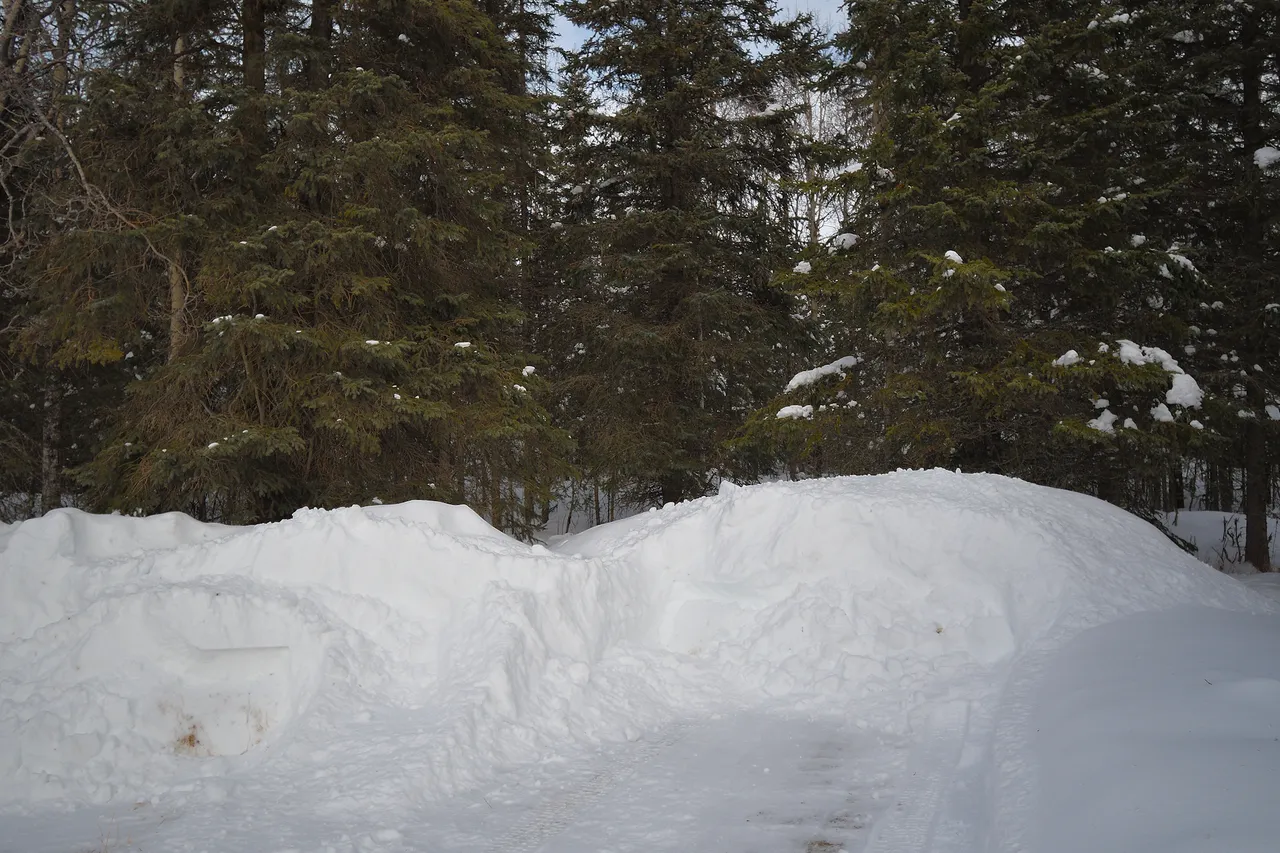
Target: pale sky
(825, 12)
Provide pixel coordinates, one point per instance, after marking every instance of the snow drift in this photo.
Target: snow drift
(136, 653)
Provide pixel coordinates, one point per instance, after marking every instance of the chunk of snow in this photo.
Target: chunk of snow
(808, 377)
(463, 344)
(1104, 422)
(843, 240)
(803, 267)
(1266, 157)
(1067, 359)
(1160, 412)
(1185, 391)
(794, 412)
(1131, 353)
(953, 256)
(1137, 240)
(528, 370)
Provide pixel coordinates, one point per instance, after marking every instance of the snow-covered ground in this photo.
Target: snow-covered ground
(1218, 537)
(917, 661)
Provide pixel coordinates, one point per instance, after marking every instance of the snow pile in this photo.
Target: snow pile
(135, 653)
(892, 579)
(125, 655)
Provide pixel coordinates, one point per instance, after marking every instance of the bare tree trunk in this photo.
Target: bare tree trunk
(320, 31)
(810, 174)
(1257, 481)
(177, 306)
(178, 290)
(15, 61)
(62, 58)
(254, 60)
(179, 68)
(673, 488)
(8, 31)
(1257, 489)
(50, 441)
(1175, 499)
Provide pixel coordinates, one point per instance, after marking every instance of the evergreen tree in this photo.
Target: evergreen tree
(1224, 57)
(675, 217)
(1009, 176)
(318, 222)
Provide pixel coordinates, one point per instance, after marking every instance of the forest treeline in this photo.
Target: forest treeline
(265, 254)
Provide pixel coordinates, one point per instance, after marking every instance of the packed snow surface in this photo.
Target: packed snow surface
(1161, 729)
(407, 677)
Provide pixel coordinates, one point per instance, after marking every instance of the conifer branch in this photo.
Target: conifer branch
(94, 194)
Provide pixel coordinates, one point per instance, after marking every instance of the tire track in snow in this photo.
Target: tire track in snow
(551, 818)
(1016, 782)
(930, 769)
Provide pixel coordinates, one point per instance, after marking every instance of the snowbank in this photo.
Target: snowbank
(136, 653)
(820, 586)
(132, 658)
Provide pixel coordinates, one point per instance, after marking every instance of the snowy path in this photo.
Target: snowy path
(911, 826)
(737, 785)
(750, 783)
(1157, 725)
(1164, 729)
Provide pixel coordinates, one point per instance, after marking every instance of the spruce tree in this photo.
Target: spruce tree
(314, 230)
(675, 218)
(1009, 176)
(1224, 58)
